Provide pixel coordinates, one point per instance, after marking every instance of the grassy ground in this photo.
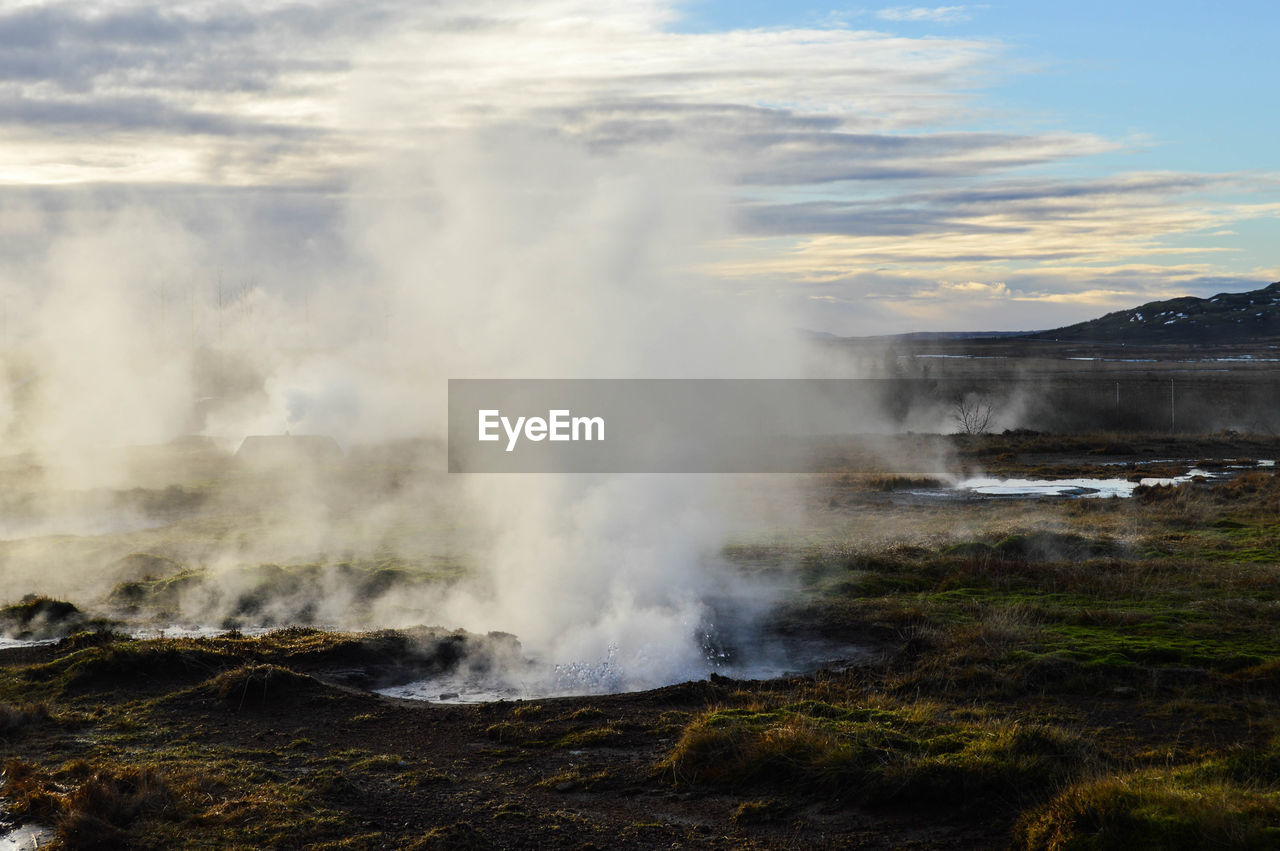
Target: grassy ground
(1109, 682)
(1048, 674)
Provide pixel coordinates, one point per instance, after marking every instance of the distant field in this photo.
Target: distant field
(1073, 387)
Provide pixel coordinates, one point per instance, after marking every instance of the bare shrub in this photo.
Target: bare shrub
(973, 413)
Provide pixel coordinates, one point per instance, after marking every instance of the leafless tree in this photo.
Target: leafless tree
(973, 413)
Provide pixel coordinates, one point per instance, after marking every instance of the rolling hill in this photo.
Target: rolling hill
(1226, 317)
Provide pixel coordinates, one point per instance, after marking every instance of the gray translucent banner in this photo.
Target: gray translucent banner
(801, 426)
(658, 425)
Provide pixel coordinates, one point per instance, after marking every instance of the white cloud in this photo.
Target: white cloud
(289, 93)
(935, 14)
(854, 148)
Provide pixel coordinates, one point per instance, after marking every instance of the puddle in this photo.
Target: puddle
(1152, 461)
(6, 642)
(26, 838)
(964, 357)
(203, 631)
(1085, 488)
(1106, 488)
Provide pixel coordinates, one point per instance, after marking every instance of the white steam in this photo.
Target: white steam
(528, 257)
(493, 254)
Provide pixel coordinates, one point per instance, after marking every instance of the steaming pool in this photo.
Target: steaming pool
(770, 659)
(762, 657)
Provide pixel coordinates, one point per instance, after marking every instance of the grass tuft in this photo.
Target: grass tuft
(30, 794)
(1156, 809)
(255, 686)
(38, 618)
(98, 812)
(879, 754)
(15, 717)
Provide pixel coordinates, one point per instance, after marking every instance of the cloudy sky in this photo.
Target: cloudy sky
(887, 168)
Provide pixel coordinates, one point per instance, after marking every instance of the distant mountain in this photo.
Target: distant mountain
(1226, 317)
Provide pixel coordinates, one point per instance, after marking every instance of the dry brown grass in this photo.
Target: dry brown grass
(1155, 809)
(875, 751)
(98, 812)
(253, 686)
(90, 808)
(15, 717)
(30, 793)
(1254, 494)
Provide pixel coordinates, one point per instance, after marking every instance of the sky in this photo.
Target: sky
(884, 168)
